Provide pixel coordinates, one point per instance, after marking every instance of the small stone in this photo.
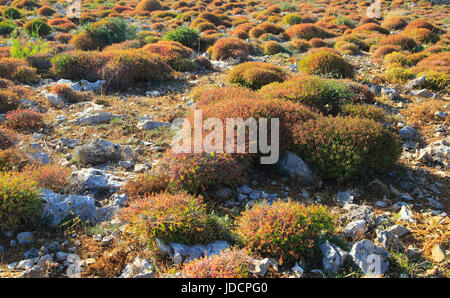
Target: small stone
(438, 253)
(356, 229)
(298, 271)
(343, 198)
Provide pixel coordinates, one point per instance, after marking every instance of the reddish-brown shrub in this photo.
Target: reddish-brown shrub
(53, 177)
(254, 75)
(7, 138)
(228, 264)
(8, 101)
(230, 47)
(401, 40)
(24, 120)
(148, 5)
(308, 31)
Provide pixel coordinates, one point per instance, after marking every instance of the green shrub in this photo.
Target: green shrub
(6, 27)
(254, 75)
(79, 65)
(326, 63)
(11, 13)
(364, 111)
(37, 27)
(186, 36)
(103, 33)
(19, 201)
(399, 75)
(343, 148)
(292, 19)
(287, 231)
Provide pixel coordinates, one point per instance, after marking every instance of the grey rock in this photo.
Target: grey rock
(416, 83)
(25, 238)
(298, 270)
(97, 152)
(138, 269)
(71, 143)
(55, 100)
(388, 240)
(295, 168)
(94, 181)
(61, 256)
(56, 206)
(35, 272)
(422, 93)
(398, 230)
(41, 158)
(406, 214)
(25, 264)
(356, 229)
(408, 133)
(151, 124)
(366, 255)
(333, 257)
(259, 267)
(343, 198)
(244, 189)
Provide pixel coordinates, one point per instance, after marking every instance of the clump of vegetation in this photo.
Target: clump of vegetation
(103, 33)
(230, 47)
(148, 5)
(24, 120)
(173, 53)
(7, 27)
(353, 147)
(254, 75)
(146, 184)
(79, 65)
(8, 101)
(308, 31)
(16, 69)
(7, 138)
(401, 40)
(128, 68)
(198, 173)
(326, 63)
(288, 231)
(395, 22)
(11, 13)
(364, 111)
(299, 45)
(228, 264)
(179, 218)
(292, 19)
(20, 201)
(49, 176)
(68, 93)
(186, 36)
(37, 27)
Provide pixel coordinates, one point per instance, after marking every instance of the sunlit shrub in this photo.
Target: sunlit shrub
(186, 36)
(395, 22)
(68, 93)
(12, 159)
(272, 47)
(128, 68)
(211, 94)
(287, 231)
(46, 11)
(24, 120)
(148, 5)
(179, 218)
(422, 35)
(11, 13)
(326, 63)
(399, 75)
(146, 184)
(228, 264)
(371, 27)
(401, 40)
(79, 65)
(254, 75)
(292, 19)
(16, 69)
(7, 138)
(299, 45)
(19, 201)
(173, 53)
(308, 31)
(230, 47)
(53, 177)
(364, 111)
(8, 101)
(37, 26)
(347, 148)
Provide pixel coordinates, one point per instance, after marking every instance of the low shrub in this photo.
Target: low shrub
(371, 27)
(308, 31)
(401, 40)
(272, 47)
(230, 47)
(179, 218)
(287, 231)
(16, 69)
(199, 172)
(128, 68)
(228, 264)
(103, 33)
(287, 112)
(186, 36)
(364, 111)
(71, 95)
(6, 27)
(148, 5)
(19, 201)
(24, 120)
(254, 75)
(11, 13)
(326, 63)
(173, 53)
(146, 184)
(37, 27)
(7, 138)
(422, 35)
(398, 75)
(211, 94)
(12, 159)
(79, 65)
(436, 80)
(299, 45)
(49, 176)
(292, 19)
(344, 148)
(8, 101)
(395, 22)
(46, 11)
